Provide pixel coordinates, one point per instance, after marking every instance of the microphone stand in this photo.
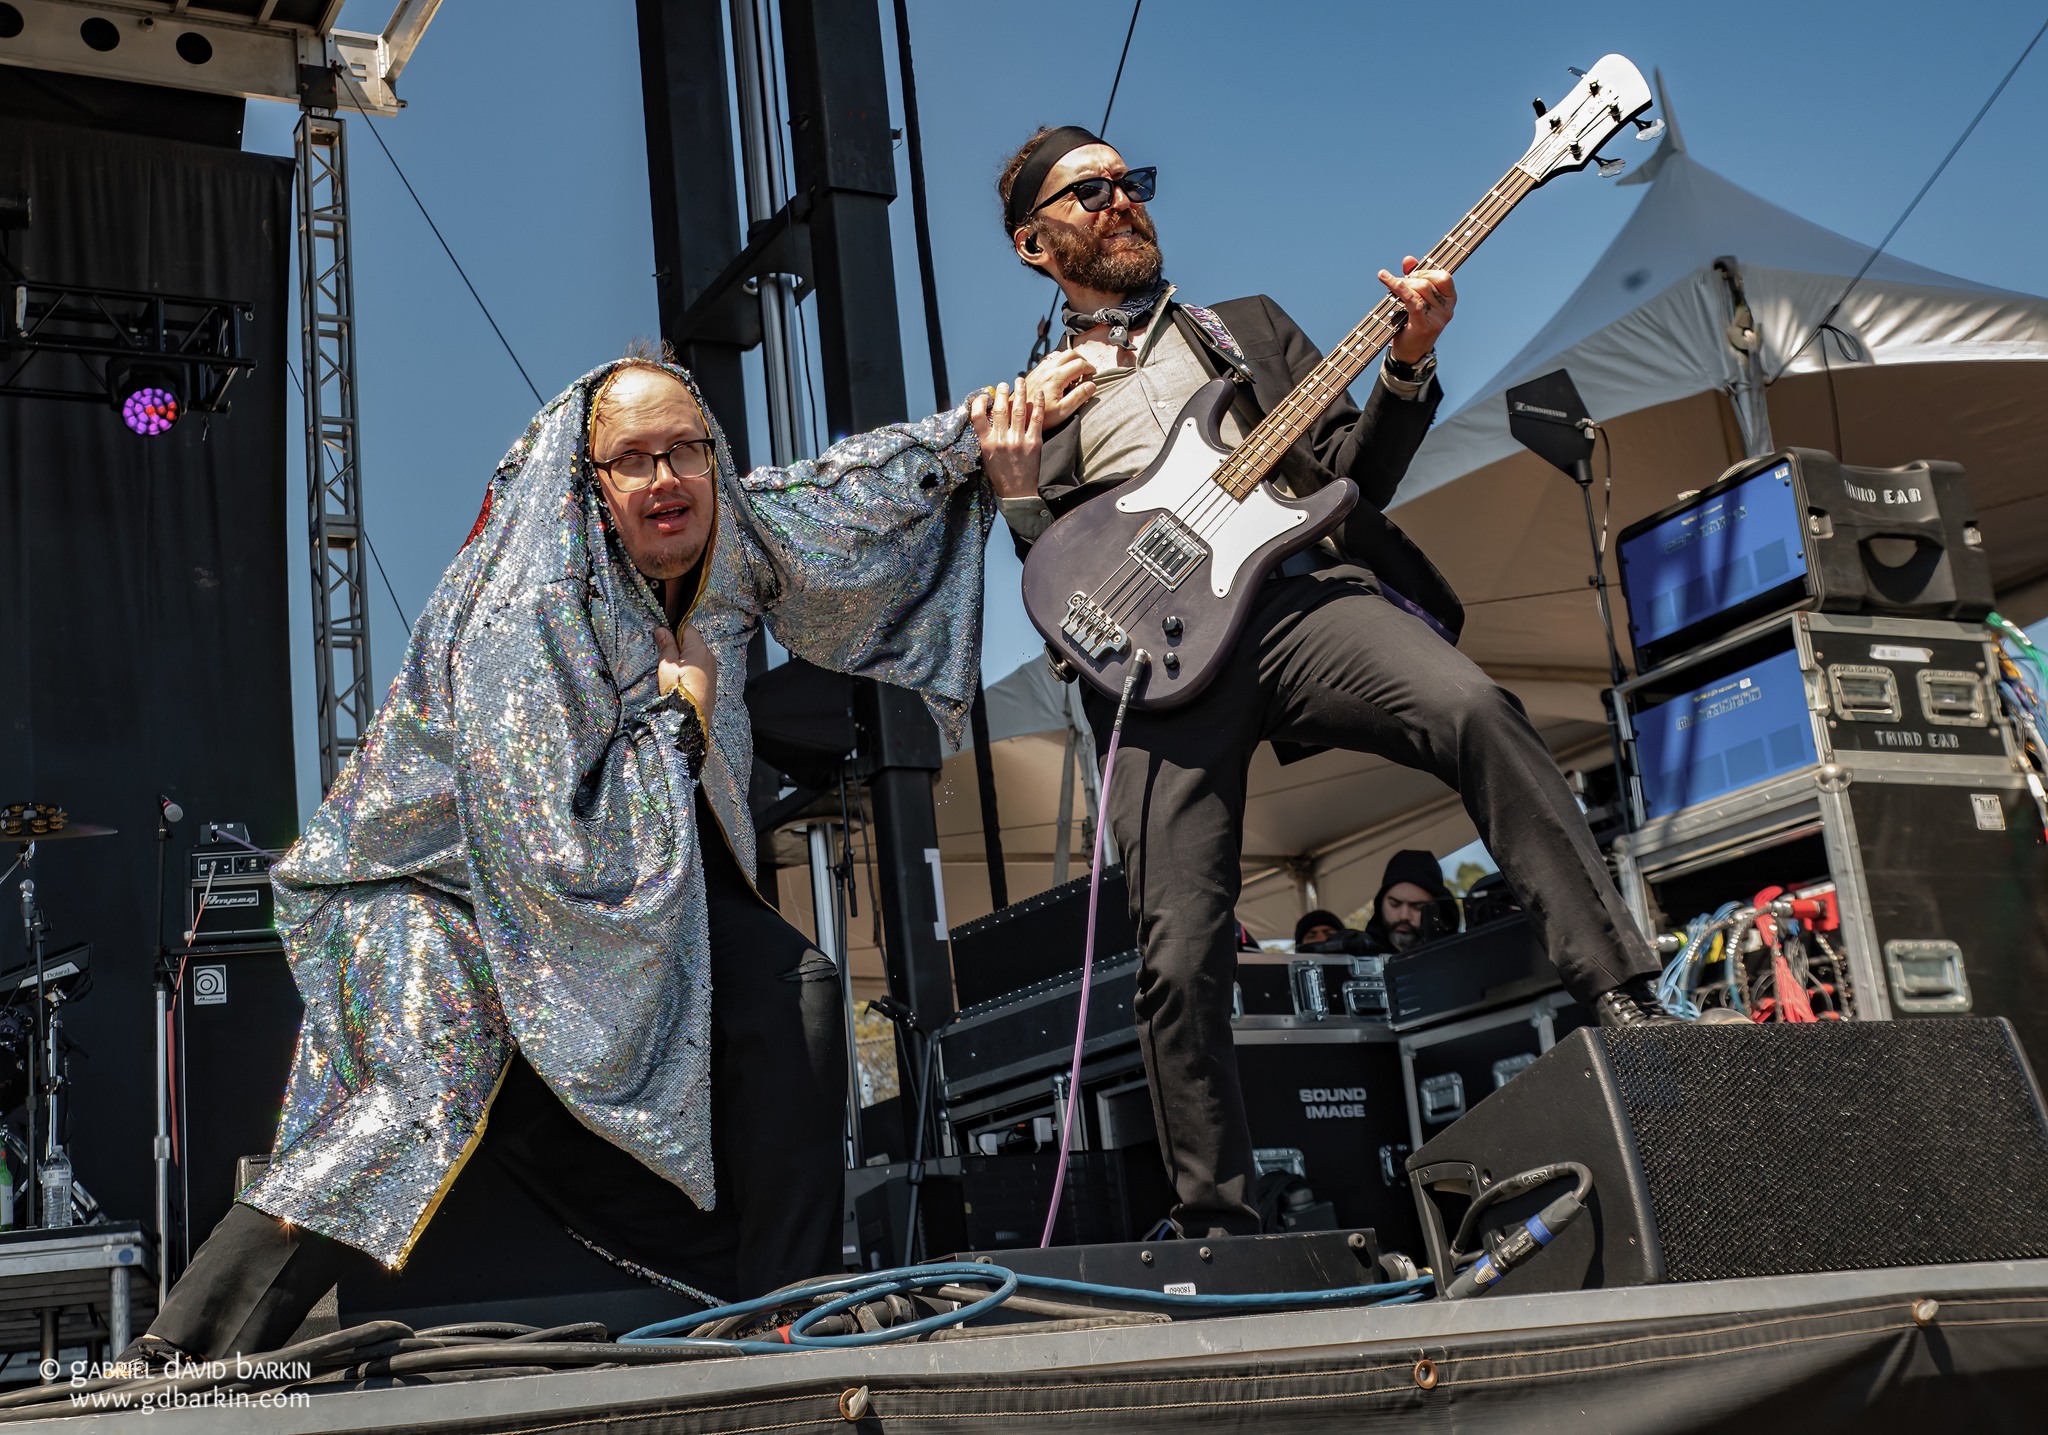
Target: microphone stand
(1624, 767)
(32, 938)
(162, 1147)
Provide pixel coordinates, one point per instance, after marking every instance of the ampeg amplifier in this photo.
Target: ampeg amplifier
(1800, 529)
(228, 898)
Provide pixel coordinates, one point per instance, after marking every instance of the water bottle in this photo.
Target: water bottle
(56, 1179)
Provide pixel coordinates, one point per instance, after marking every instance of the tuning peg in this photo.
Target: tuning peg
(1576, 72)
(1648, 129)
(1609, 168)
(1541, 108)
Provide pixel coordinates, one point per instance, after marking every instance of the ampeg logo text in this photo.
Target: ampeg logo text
(1320, 1103)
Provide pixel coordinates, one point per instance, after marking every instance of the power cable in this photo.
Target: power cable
(1102, 131)
(1968, 130)
(400, 170)
(361, 527)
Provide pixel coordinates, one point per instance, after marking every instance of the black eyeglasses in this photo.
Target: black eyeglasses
(634, 469)
(1098, 192)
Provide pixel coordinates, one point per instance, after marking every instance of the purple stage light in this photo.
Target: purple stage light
(150, 411)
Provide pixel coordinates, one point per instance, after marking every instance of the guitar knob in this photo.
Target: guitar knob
(1172, 627)
(1171, 662)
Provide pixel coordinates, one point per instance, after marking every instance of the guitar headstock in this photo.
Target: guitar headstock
(1607, 97)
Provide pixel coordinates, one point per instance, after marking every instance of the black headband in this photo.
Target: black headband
(1056, 146)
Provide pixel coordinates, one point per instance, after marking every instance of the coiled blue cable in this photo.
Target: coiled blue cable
(877, 1285)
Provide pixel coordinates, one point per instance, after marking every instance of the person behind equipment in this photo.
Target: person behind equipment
(1413, 907)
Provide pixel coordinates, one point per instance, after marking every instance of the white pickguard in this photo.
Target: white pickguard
(1185, 479)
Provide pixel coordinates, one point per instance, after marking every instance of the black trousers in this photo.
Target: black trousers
(779, 1090)
(1324, 660)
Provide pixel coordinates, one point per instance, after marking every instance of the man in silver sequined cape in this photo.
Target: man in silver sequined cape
(513, 864)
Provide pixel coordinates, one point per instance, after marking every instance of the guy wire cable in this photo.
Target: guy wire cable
(489, 318)
(1102, 132)
(1968, 130)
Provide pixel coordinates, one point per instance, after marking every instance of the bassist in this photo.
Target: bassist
(1350, 645)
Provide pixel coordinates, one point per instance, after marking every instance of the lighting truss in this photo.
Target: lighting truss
(65, 341)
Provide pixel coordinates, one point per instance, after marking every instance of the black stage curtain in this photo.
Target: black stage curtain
(143, 621)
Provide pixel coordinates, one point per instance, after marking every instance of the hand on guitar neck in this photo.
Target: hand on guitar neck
(1430, 297)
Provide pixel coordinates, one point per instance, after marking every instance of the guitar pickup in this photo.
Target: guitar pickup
(1169, 550)
(1096, 633)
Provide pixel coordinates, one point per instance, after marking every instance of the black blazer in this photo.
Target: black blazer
(1372, 447)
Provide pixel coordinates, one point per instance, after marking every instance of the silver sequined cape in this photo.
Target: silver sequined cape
(511, 858)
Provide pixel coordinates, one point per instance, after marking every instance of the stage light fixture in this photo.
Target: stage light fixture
(147, 396)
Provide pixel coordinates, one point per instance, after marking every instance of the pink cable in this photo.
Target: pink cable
(1059, 1179)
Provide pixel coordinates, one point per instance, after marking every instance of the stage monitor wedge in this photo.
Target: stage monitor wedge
(1727, 1152)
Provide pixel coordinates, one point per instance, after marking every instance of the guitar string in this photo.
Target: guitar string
(1376, 330)
(1214, 506)
(1219, 499)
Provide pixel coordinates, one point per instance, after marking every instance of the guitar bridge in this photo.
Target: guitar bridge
(1096, 633)
(1169, 550)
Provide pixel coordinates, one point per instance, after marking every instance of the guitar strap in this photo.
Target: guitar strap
(1220, 338)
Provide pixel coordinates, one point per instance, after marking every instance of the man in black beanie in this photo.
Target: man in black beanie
(1318, 926)
(1412, 885)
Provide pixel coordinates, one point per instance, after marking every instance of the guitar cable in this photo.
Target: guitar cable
(1141, 663)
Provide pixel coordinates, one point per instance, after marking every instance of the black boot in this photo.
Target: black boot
(1633, 1003)
(151, 1356)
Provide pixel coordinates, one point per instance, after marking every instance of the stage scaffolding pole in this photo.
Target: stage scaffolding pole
(343, 700)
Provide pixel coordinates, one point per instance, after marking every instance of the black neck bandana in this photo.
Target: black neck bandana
(1122, 318)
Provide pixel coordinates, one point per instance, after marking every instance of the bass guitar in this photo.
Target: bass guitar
(1157, 577)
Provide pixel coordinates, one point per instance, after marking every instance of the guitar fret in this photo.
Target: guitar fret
(1242, 472)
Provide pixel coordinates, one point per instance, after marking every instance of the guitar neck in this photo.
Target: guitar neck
(1291, 417)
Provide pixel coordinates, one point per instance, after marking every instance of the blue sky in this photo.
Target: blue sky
(1301, 147)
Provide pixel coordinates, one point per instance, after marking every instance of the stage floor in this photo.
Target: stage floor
(1861, 1350)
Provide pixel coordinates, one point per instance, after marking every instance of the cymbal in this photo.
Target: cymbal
(69, 829)
(41, 822)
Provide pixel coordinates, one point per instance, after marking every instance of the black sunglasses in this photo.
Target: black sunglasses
(1098, 192)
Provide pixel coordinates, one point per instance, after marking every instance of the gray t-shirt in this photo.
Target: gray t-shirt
(1126, 423)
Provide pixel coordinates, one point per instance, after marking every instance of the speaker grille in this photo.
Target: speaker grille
(1840, 1146)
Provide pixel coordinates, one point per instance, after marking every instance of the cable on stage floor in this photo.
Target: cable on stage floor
(928, 1302)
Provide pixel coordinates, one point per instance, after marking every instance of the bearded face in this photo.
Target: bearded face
(1115, 251)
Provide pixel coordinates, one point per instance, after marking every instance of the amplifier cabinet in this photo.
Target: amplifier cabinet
(228, 897)
(1324, 1100)
(1941, 880)
(1813, 688)
(237, 1026)
(1799, 528)
(1446, 1070)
